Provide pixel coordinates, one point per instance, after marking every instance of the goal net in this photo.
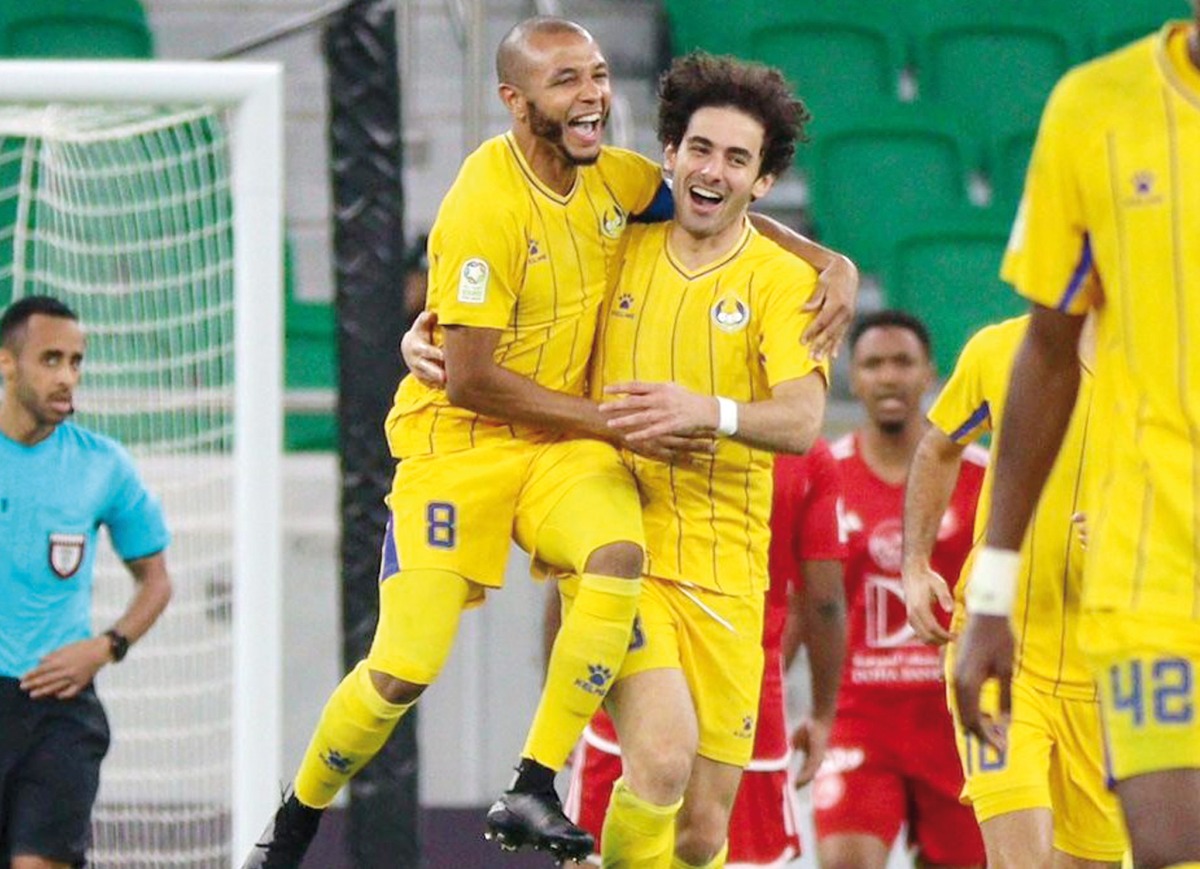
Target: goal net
(156, 216)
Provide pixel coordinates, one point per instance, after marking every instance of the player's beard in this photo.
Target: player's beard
(552, 132)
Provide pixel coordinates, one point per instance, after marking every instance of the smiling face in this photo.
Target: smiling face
(890, 371)
(715, 171)
(41, 368)
(562, 94)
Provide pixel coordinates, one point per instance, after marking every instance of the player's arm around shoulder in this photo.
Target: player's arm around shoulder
(832, 300)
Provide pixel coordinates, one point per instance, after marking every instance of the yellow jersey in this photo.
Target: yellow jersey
(1046, 612)
(731, 328)
(506, 252)
(1110, 220)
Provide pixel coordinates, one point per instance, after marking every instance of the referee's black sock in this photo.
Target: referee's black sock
(533, 778)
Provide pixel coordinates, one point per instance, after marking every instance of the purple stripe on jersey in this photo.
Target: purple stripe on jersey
(389, 559)
(973, 422)
(1081, 271)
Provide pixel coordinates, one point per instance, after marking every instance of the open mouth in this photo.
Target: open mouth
(587, 127)
(705, 198)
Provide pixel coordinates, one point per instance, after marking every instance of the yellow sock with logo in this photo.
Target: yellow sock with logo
(717, 862)
(355, 724)
(587, 653)
(637, 834)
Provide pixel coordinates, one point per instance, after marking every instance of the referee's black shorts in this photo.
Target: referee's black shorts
(50, 753)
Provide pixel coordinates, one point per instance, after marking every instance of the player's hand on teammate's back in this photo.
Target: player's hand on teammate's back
(424, 359)
(644, 411)
(922, 589)
(985, 651)
(833, 300)
(810, 738)
(67, 671)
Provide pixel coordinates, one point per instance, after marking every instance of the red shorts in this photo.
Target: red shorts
(894, 767)
(762, 829)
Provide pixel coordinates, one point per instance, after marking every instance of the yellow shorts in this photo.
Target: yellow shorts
(1052, 761)
(452, 517)
(1145, 667)
(560, 501)
(716, 639)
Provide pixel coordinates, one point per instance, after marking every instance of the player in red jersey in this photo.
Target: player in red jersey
(805, 603)
(891, 758)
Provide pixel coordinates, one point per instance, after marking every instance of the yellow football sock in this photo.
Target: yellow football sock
(590, 647)
(355, 724)
(717, 862)
(637, 834)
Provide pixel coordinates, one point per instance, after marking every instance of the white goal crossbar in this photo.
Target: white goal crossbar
(251, 95)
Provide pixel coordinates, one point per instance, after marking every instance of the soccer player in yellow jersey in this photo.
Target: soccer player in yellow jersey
(1042, 800)
(520, 258)
(1108, 224)
(701, 335)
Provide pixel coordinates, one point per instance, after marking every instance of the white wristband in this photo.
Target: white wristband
(992, 586)
(727, 416)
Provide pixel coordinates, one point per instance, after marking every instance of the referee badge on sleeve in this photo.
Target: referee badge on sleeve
(66, 554)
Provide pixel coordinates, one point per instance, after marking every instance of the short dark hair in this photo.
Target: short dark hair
(891, 317)
(699, 80)
(18, 313)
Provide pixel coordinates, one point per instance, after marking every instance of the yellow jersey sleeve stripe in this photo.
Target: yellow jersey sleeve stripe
(968, 430)
(1078, 277)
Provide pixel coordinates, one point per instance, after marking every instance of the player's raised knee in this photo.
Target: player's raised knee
(396, 690)
(660, 775)
(623, 559)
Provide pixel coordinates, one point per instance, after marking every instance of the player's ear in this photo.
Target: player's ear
(761, 186)
(513, 100)
(8, 362)
(670, 152)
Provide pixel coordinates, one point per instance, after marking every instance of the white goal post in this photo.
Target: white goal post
(246, 99)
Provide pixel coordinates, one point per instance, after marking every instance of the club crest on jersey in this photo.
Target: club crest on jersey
(473, 281)
(611, 225)
(66, 554)
(730, 314)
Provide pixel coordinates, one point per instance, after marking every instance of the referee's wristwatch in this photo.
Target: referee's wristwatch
(118, 644)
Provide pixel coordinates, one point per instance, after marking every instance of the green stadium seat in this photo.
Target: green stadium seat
(1007, 160)
(74, 29)
(715, 26)
(995, 68)
(903, 164)
(1114, 23)
(843, 57)
(310, 363)
(947, 272)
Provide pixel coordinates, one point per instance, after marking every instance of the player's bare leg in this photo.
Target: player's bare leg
(656, 726)
(1025, 840)
(853, 851)
(1160, 811)
(703, 823)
